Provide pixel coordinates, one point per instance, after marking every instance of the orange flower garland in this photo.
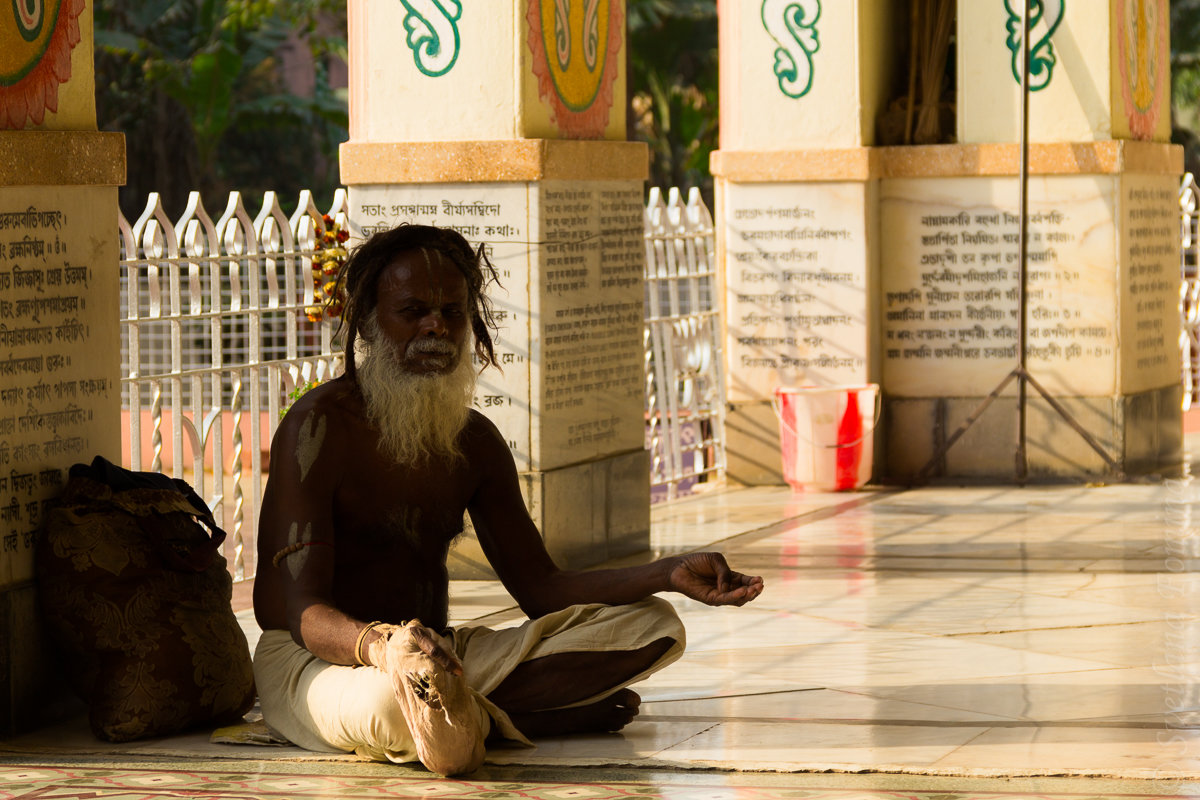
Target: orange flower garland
(330, 256)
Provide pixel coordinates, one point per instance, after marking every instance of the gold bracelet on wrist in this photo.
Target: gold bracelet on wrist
(362, 635)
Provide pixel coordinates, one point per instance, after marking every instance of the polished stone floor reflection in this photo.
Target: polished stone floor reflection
(928, 643)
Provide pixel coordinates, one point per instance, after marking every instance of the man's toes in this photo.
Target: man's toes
(625, 716)
(628, 698)
(624, 709)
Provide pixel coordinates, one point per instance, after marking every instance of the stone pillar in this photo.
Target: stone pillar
(59, 301)
(801, 84)
(1103, 261)
(468, 120)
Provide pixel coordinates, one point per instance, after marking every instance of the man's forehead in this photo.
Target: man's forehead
(413, 270)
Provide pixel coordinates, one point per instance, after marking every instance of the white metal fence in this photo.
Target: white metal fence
(685, 386)
(215, 338)
(1189, 290)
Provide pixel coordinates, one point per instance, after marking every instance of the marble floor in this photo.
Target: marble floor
(948, 642)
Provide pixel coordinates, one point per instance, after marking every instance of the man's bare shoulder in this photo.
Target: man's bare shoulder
(488, 454)
(481, 434)
(334, 399)
(332, 411)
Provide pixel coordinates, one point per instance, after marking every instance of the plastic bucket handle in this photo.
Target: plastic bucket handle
(878, 411)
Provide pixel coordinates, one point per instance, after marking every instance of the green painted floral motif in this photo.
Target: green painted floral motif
(793, 26)
(30, 17)
(562, 32)
(432, 27)
(1044, 18)
(591, 34)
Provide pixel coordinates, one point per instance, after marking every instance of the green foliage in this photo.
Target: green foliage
(197, 87)
(1185, 79)
(673, 88)
(296, 394)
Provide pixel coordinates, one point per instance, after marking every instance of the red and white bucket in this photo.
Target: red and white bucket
(825, 434)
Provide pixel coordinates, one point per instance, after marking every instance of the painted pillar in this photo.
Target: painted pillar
(845, 262)
(1103, 263)
(59, 333)
(504, 119)
(801, 84)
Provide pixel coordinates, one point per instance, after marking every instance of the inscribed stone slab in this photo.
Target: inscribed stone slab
(1150, 323)
(571, 258)
(797, 294)
(59, 352)
(497, 216)
(588, 368)
(950, 277)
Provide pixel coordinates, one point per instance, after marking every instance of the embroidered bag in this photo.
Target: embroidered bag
(133, 587)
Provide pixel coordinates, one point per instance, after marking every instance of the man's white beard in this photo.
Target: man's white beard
(417, 415)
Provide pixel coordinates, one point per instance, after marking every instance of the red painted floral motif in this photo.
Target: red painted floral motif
(1142, 40)
(576, 123)
(36, 92)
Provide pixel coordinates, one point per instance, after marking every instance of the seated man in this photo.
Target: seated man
(371, 474)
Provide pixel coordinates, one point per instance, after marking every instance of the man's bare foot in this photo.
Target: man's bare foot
(435, 700)
(604, 716)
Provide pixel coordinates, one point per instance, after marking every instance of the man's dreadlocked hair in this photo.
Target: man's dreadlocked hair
(359, 280)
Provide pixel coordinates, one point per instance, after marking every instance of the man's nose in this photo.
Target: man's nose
(434, 324)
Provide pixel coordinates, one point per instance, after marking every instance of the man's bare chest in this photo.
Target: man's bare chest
(387, 507)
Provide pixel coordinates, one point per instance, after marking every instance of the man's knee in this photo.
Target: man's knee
(665, 620)
(356, 710)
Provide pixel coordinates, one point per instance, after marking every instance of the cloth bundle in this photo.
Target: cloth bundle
(135, 591)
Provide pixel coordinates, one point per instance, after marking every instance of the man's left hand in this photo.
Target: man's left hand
(707, 577)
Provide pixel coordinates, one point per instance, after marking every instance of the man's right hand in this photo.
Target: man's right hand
(436, 647)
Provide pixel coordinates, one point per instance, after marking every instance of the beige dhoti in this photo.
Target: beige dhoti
(332, 708)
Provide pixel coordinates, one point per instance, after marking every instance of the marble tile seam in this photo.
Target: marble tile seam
(1086, 626)
(982, 566)
(1112, 723)
(682, 743)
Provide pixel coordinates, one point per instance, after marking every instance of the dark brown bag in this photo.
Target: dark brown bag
(133, 587)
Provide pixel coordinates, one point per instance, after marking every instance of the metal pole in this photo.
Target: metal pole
(1022, 465)
(1020, 371)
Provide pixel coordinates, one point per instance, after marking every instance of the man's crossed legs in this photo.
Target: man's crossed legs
(562, 673)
